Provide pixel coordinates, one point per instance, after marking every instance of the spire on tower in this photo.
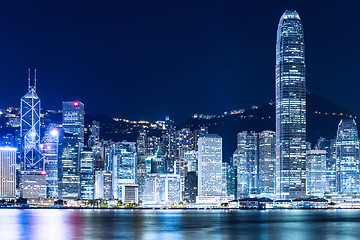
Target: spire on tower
(29, 79)
(35, 80)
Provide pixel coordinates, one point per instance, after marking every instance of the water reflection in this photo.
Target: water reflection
(179, 224)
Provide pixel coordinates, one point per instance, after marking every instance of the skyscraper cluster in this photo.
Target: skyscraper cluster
(183, 164)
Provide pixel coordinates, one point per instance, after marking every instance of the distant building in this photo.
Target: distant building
(69, 167)
(247, 162)
(191, 187)
(124, 161)
(73, 119)
(267, 161)
(290, 108)
(50, 151)
(86, 173)
(7, 172)
(33, 185)
(162, 188)
(103, 185)
(347, 157)
(316, 172)
(32, 159)
(209, 165)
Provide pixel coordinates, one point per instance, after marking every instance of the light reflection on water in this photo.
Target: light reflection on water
(179, 224)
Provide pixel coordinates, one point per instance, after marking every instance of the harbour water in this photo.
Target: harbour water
(38, 224)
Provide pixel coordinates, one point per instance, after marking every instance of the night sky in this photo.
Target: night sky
(147, 59)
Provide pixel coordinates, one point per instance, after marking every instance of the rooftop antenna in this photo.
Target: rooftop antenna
(29, 79)
(35, 80)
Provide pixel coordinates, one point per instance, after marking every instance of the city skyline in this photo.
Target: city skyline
(225, 72)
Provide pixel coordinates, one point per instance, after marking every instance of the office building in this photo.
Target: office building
(50, 151)
(347, 157)
(290, 108)
(69, 167)
(86, 173)
(7, 172)
(209, 165)
(316, 172)
(73, 119)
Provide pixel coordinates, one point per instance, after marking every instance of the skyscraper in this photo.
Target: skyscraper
(32, 160)
(267, 158)
(316, 172)
(7, 172)
(69, 168)
(290, 108)
(124, 162)
(86, 173)
(50, 151)
(347, 157)
(73, 119)
(210, 165)
(247, 161)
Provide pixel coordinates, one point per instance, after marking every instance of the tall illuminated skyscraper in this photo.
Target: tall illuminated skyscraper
(347, 157)
(7, 172)
(32, 159)
(73, 119)
(209, 165)
(50, 150)
(290, 108)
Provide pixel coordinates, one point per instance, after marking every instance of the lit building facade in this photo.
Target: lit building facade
(86, 173)
(247, 162)
(103, 185)
(50, 150)
(210, 165)
(347, 157)
(7, 172)
(316, 172)
(124, 161)
(162, 188)
(73, 119)
(267, 161)
(290, 108)
(32, 159)
(69, 168)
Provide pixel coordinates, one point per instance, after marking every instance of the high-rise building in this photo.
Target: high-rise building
(290, 108)
(50, 150)
(141, 165)
(69, 167)
(331, 185)
(7, 172)
(124, 161)
(209, 165)
(316, 172)
(73, 119)
(103, 185)
(162, 188)
(86, 173)
(267, 160)
(32, 159)
(347, 157)
(158, 162)
(247, 162)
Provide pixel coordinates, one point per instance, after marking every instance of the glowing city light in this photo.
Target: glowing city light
(76, 104)
(54, 132)
(43, 172)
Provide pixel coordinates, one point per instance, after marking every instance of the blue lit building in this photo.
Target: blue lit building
(32, 159)
(73, 119)
(69, 168)
(86, 173)
(50, 150)
(347, 157)
(123, 159)
(290, 108)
